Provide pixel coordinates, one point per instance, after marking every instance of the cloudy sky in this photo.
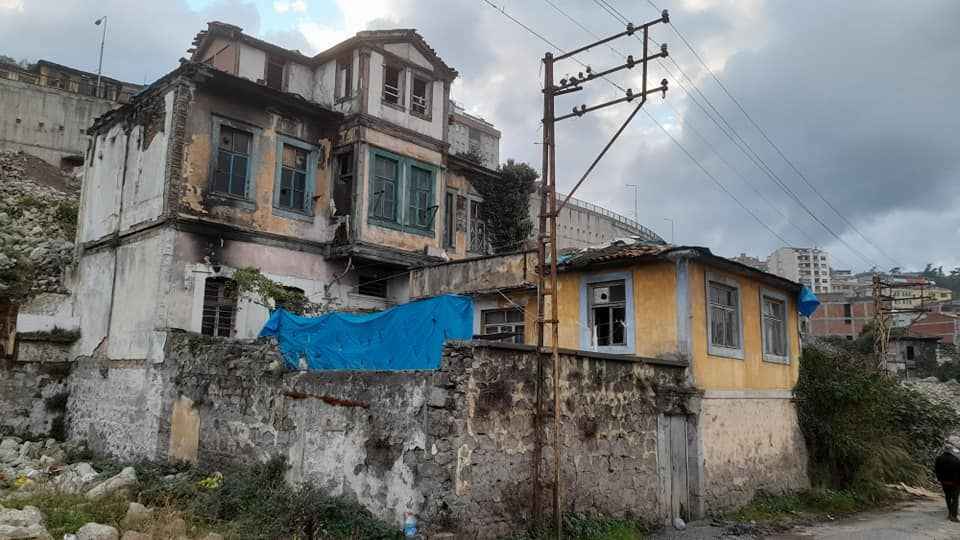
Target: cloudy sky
(859, 95)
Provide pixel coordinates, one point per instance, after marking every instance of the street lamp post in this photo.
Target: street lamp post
(103, 37)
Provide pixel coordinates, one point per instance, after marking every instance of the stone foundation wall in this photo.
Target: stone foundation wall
(118, 406)
(750, 444)
(484, 447)
(33, 397)
(456, 446)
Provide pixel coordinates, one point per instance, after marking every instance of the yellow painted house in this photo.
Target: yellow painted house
(735, 327)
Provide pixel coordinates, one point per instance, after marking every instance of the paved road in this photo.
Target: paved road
(921, 519)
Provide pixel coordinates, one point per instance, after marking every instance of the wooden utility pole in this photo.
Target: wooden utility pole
(547, 233)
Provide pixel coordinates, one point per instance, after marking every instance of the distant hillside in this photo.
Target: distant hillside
(38, 224)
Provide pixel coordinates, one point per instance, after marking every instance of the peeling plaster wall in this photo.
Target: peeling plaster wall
(477, 274)
(117, 406)
(751, 443)
(102, 176)
(257, 213)
(143, 189)
(358, 434)
(142, 274)
(401, 116)
(252, 62)
(93, 298)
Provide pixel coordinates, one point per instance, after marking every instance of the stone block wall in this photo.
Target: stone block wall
(33, 397)
(456, 446)
(750, 444)
(483, 443)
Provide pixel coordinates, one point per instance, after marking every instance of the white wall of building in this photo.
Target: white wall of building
(809, 266)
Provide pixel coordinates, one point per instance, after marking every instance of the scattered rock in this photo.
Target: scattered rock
(74, 478)
(9, 450)
(135, 535)
(30, 450)
(121, 484)
(26, 523)
(679, 524)
(137, 516)
(97, 531)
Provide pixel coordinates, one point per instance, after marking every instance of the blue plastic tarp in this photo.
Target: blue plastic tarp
(807, 302)
(405, 337)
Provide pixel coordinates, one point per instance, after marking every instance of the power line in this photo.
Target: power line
(735, 137)
(675, 141)
(769, 141)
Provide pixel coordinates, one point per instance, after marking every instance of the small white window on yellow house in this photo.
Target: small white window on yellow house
(773, 312)
(608, 313)
(724, 325)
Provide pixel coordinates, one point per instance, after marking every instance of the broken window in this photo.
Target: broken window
(344, 77)
(274, 75)
(372, 283)
(420, 95)
(449, 221)
(477, 229)
(608, 313)
(774, 312)
(384, 195)
(392, 84)
(847, 314)
(421, 208)
(233, 160)
(503, 324)
(343, 186)
(293, 179)
(724, 314)
(910, 352)
(219, 307)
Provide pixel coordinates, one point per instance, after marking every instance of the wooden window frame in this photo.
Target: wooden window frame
(427, 113)
(344, 85)
(401, 220)
(224, 302)
(721, 350)
(399, 90)
(310, 182)
(217, 123)
(765, 295)
(586, 312)
(518, 327)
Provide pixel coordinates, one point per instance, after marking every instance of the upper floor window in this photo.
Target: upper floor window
(274, 72)
(293, 179)
(774, 327)
(477, 229)
(386, 176)
(723, 314)
(232, 166)
(420, 198)
(421, 96)
(219, 307)
(608, 313)
(393, 84)
(343, 185)
(402, 193)
(449, 220)
(344, 77)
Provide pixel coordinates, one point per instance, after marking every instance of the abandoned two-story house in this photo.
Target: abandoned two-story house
(329, 173)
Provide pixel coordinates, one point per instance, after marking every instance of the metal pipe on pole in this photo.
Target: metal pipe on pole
(103, 38)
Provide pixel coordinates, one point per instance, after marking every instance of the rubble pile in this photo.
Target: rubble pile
(31, 468)
(947, 393)
(38, 220)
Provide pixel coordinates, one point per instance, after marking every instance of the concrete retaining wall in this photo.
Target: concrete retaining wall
(33, 397)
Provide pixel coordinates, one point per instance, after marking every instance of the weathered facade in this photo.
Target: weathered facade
(736, 328)
(457, 447)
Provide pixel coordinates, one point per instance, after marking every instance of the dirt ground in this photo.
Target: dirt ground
(923, 518)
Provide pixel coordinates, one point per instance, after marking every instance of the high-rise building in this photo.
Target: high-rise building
(809, 266)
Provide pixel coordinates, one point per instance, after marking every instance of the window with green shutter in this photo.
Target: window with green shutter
(401, 193)
(232, 161)
(386, 176)
(420, 208)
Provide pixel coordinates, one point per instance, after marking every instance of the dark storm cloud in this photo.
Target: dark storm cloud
(859, 94)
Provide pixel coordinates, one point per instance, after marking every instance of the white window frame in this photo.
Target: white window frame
(716, 350)
(775, 295)
(586, 332)
(401, 85)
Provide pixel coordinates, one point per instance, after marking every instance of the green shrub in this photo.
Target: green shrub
(254, 501)
(862, 428)
(589, 527)
(67, 513)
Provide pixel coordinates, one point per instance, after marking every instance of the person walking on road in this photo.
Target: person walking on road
(947, 469)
